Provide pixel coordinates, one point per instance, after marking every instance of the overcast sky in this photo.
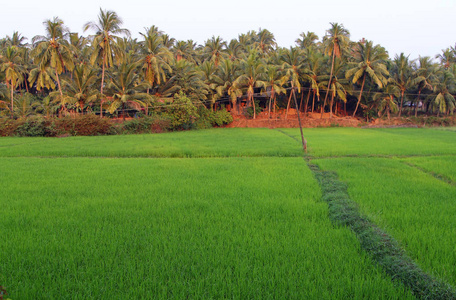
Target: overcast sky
(420, 27)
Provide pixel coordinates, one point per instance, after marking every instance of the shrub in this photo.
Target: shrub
(84, 125)
(182, 113)
(221, 117)
(7, 127)
(31, 127)
(248, 112)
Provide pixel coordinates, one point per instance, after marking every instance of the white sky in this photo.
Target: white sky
(420, 27)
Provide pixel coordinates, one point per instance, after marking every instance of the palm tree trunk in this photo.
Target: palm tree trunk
(402, 100)
(417, 102)
(12, 103)
(331, 73)
(313, 101)
(360, 94)
(289, 100)
(101, 89)
(304, 142)
(331, 106)
(253, 104)
(302, 97)
(269, 111)
(307, 103)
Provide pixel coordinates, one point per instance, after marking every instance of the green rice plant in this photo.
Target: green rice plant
(103, 228)
(378, 244)
(203, 143)
(442, 167)
(413, 206)
(329, 142)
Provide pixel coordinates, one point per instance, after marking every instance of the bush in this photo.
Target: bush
(8, 126)
(84, 125)
(152, 124)
(248, 112)
(31, 127)
(221, 117)
(182, 113)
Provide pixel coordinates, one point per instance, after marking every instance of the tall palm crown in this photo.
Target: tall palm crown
(307, 40)
(105, 48)
(53, 50)
(12, 66)
(369, 61)
(154, 58)
(214, 49)
(336, 40)
(402, 76)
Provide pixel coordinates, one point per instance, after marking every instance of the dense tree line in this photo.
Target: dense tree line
(108, 72)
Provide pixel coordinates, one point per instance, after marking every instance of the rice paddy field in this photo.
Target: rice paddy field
(221, 213)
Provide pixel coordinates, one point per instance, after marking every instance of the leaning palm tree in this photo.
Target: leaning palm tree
(14, 71)
(370, 62)
(104, 43)
(125, 89)
(53, 51)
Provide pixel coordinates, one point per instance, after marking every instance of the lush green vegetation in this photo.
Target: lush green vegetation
(109, 73)
(202, 143)
(376, 142)
(415, 207)
(176, 228)
(226, 213)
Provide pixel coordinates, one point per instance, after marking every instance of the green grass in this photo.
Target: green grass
(413, 206)
(326, 142)
(443, 167)
(202, 143)
(116, 228)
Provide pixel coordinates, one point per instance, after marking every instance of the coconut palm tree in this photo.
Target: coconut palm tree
(105, 48)
(252, 73)
(447, 57)
(154, 58)
(307, 40)
(80, 90)
(225, 78)
(402, 77)
(273, 85)
(125, 89)
(336, 39)
(235, 50)
(442, 98)
(53, 51)
(386, 99)
(369, 62)
(427, 70)
(293, 65)
(214, 50)
(11, 64)
(265, 42)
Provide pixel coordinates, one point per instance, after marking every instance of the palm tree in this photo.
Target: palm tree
(265, 41)
(214, 49)
(293, 65)
(336, 39)
(338, 86)
(273, 85)
(207, 71)
(53, 50)
(125, 89)
(25, 105)
(14, 71)
(105, 49)
(370, 61)
(154, 58)
(235, 50)
(402, 76)
(442, 97)
(307, 40)
(225, 78)
(427, 71)
(446, 58)
(80, 90)
(386, 100)
(253, 71)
